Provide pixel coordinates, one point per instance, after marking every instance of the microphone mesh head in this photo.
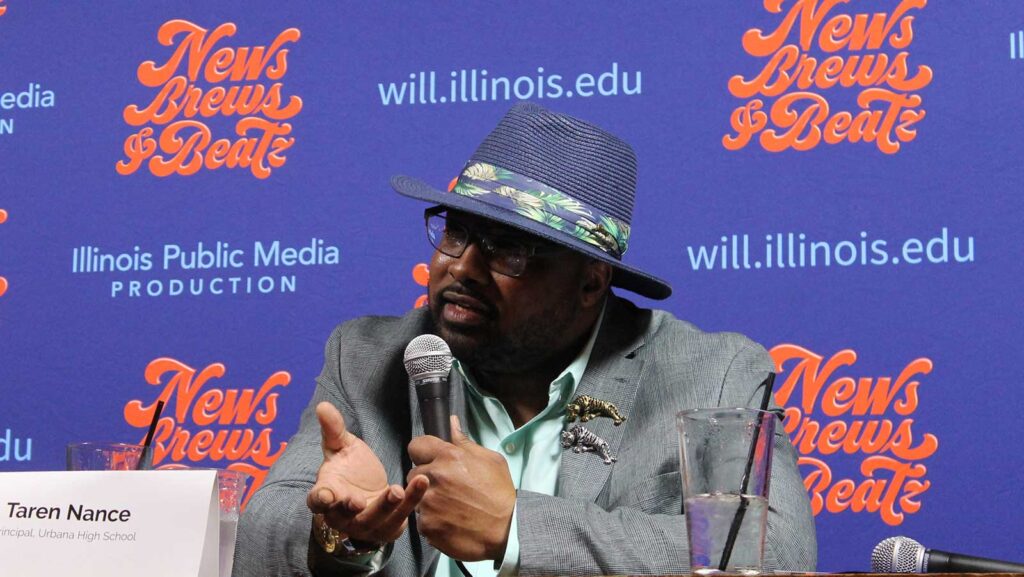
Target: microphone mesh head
(427, 356)
(898, 555)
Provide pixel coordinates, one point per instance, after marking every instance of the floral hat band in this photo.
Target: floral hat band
(542, 204)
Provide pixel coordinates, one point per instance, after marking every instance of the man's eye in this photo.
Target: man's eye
(509, 246)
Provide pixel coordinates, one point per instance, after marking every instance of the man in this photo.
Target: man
(528, 242)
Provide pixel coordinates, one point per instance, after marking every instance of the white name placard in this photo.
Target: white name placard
(102, 523)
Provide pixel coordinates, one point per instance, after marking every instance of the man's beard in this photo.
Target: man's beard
(530, 343)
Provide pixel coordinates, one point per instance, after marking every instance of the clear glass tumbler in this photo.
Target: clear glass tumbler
(89, 456)
(726, 458)
(231, 485)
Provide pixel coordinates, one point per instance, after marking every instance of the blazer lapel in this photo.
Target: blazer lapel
(613, 374)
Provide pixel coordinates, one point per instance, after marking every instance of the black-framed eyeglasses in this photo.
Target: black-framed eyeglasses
(505, 255)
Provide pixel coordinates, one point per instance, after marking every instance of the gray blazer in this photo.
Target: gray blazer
(603, 520)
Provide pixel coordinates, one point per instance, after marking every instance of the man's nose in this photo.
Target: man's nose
(472, 265)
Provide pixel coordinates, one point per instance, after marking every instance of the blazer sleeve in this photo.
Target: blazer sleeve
(560, 536)
(274, 532)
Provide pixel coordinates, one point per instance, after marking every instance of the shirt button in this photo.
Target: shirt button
(510, 447)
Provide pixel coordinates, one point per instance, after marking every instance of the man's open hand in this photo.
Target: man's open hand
(352, 488)
(468, 507)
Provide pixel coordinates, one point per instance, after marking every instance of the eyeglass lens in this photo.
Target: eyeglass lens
(451, 238)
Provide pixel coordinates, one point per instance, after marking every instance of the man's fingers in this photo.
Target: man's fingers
(385, 518)
(375, 514)
(414, 493)
(319, 499)
(425, 449)
(333, 434)
(323, 497)
(395, 523)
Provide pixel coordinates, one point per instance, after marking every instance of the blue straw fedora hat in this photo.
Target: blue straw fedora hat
(554, 176)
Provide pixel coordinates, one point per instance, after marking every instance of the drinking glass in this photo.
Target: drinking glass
(726, 457)
(231, 488)
(89, 456)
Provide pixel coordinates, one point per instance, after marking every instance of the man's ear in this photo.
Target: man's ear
(597, 277)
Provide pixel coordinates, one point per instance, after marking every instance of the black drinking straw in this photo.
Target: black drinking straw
(734, 529)
(149, 435)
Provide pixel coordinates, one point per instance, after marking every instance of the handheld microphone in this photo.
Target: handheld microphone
(428, 361)
(904, 555)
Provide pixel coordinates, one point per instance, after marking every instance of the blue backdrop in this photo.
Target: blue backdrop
(838, 180)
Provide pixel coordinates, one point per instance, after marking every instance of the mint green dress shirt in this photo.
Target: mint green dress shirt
(533, 452)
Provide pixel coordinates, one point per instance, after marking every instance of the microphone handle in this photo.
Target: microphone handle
(433, 396)
(943, 562)
(434, 411)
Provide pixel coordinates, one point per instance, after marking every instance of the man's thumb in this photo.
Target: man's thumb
(459, 437)
(333, 434)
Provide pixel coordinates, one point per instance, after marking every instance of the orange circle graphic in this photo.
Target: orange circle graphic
(421, 274)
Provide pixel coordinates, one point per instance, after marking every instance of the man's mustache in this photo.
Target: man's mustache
(458, 293)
